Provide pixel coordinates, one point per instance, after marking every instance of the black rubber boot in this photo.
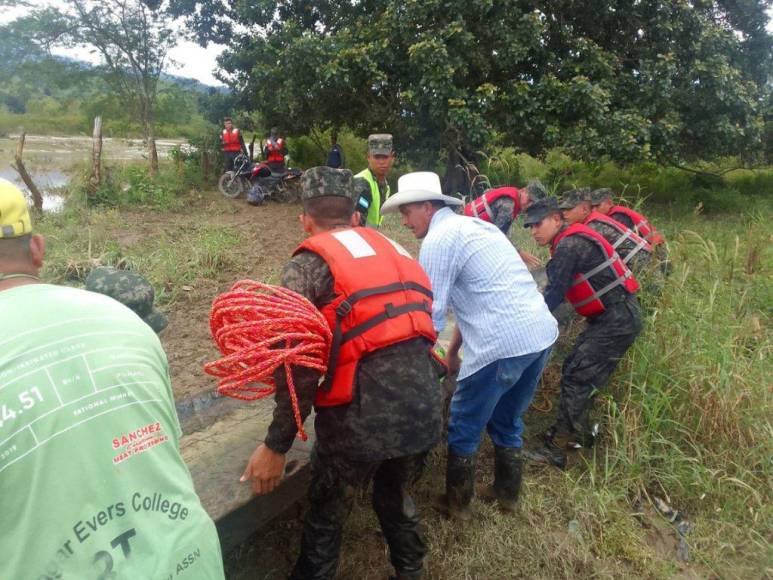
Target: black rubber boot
(508, 474)
(460, 482)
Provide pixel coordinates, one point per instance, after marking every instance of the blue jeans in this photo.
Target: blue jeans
(495, 397)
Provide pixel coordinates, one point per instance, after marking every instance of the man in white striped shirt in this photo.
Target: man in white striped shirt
(506, 328)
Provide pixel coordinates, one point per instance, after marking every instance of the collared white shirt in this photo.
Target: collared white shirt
(477, 273)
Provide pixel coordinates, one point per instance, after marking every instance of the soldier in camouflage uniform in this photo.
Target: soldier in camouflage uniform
(601, 200)
(131, 290)
(383, 435)
(599, 349)
(576, 207)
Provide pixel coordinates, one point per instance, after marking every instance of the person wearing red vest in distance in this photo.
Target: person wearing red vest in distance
(378, 410)
(233, 143)
(586, 271)
(601, 199)
(634, 250)
(502, 205)
(275, 152)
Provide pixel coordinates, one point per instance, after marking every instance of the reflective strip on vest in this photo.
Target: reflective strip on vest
(640, 245)
(357, 245)
(597, 294)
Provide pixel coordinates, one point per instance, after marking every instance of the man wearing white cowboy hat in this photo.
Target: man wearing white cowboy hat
(507, 329)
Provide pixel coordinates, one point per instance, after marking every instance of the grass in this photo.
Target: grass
(172, 259)
(687, 418)
(687, 421)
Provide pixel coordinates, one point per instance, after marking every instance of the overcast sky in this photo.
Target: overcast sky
(192, 60)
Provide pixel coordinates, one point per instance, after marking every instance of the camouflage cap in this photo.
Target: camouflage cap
(536, 190)
(539, 210)
(599, 195)
(325, 181)
(14, 214)
(131, 290)
(573, 198)
(380, 144)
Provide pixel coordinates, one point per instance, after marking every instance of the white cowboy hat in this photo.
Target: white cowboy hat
(416, 187)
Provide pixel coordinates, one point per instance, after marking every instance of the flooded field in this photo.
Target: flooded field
(51, 161)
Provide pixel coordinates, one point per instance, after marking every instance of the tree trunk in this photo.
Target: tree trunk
(95, 179)
(251, 147)
(37, 197)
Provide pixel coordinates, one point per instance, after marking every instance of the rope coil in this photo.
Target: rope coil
(259, 327)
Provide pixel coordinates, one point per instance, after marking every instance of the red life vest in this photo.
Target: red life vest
(582, 295)
(383, 297)
(275, 154)
(231, 141)
(640, 224)
(481, 207)
(625, 234)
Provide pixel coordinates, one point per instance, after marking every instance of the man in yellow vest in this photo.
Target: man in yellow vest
(381, 157)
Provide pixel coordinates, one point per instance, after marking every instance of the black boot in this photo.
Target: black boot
(508, 474)
(460, 480)
(548, 451)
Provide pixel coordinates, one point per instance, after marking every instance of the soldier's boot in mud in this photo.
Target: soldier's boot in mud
(460, 482)
(508, 474)
(583, 440)
(548, 451)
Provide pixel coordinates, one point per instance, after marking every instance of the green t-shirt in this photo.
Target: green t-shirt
(92, 484)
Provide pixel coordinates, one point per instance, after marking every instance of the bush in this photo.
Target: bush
(133, 185)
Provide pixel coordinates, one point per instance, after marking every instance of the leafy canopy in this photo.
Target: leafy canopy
(670, 81)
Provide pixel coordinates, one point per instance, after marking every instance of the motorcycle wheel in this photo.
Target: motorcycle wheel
(230, 185)
(289, 191)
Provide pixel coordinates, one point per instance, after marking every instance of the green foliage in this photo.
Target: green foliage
(132, 185)
(655, 81)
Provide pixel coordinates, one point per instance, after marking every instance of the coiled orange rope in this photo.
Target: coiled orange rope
(259, 327)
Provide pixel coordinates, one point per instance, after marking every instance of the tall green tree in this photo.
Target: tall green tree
(132, 37)
(671, 81)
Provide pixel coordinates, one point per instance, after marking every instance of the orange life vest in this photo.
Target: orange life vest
(585, 298)
(275, 154)
(481, 207)
(383, 297)
(640, 224)
(625, 234)
(231, 140)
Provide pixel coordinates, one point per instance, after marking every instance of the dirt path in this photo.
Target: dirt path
(269, 235)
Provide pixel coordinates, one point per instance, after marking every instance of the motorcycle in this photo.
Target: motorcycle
(259, 181)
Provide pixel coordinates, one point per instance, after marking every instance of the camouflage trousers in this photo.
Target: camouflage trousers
(334, 483)
(592, 360)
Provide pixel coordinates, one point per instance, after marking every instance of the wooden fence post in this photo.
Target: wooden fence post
(95, 179)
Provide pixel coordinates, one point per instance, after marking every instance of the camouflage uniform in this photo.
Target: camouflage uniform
(640, 261)
(503, 208)
(131, 290)
(502, 213)
(383, 435)
(660, 250)
(600, 347)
